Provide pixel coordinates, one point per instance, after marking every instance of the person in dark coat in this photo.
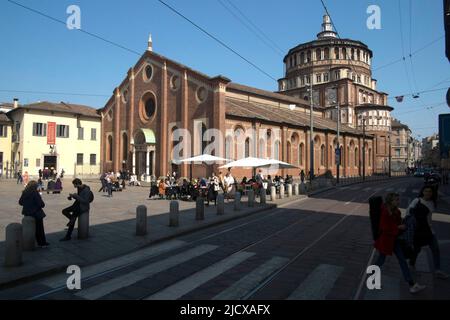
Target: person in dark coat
(32, 204)
(387, 243)
(79, 207)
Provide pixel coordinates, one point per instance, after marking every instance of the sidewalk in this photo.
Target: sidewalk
(116, 237)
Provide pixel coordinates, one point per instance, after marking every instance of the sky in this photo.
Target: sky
(39, 54)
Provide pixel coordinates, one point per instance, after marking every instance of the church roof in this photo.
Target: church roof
(262, 112)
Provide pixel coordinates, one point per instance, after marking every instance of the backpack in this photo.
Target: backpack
(91, 196)
(375, 204)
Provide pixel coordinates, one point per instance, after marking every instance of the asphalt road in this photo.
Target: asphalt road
(317, 248)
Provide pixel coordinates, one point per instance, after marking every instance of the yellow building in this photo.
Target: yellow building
(5, 144)
(62, 136)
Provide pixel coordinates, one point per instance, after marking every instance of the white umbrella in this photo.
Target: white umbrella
(204, 158)
(249, 162)
(279, 164)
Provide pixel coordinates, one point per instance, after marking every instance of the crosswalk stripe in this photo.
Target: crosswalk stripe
(182, 287)
(60, 280)
(251, 280)
(109, 286)
(318, 283)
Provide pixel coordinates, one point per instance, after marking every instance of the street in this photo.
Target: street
(313, 248)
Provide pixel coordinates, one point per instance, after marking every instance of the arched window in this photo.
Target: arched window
(301, 152)
(276, 154)
(358, 55)
(336, 53)
(124, 146)
(353, 54)
(318, 54)
(326, 54)
(322, 155)
(348, 157)
(289, 159)
(239, 151)
(331, 157)
(344, 54)
(247, 147)
(228, 147)
(110, 148)
(356, 164)
(308, 56)
(302, 58)
(204, 140)
(262, 148)
(370, 157)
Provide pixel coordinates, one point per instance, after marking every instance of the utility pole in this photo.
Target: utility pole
(338, 145)
(311, 167)
(364, 150)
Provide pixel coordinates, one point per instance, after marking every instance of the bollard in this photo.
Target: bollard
(29, 233)
(273, 193)
(262, 196)
(200, 209)
(296, 190)
(220, 204)
(289, 190)
(251, 198)
(174, 214)
(282, 190)
(141, 220)
(13, 245)
(237, 201)
(83, 226)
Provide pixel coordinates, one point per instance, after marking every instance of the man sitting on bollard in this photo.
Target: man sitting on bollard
(83, 198)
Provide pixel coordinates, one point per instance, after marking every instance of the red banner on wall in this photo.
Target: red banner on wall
(51, 132)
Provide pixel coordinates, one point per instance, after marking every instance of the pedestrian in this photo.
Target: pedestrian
(103, 182)
(19, 177)
(40, 173)
(109, 183)
(302, 176)
(83, 199)
(25, 178)
(387, 243)
(32, 204)
(422, 209)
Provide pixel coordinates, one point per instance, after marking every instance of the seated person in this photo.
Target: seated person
(58, 186)
(162, 189)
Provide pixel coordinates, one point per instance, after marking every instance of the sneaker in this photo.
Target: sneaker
(441, 274)
(65, 239)
(416, 288)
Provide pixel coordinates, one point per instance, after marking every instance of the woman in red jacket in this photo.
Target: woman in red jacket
(386, 244)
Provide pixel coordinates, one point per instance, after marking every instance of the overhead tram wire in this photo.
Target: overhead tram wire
(403, 45)
(269, 45)
(80, 30)
(216, 39)
(133, 51)
(256, 27)
(419, 92)
(410, 45)
(57, 93)
(412, 54)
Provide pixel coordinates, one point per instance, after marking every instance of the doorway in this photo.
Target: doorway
(50, 161)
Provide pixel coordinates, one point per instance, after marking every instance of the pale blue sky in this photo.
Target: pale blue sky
(38, 54)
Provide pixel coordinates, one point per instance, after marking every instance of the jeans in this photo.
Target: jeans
(401, 261)
(434, 246)
(109, 187)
